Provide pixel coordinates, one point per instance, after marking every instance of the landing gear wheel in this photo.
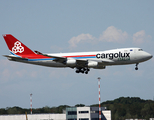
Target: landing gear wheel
(77, 71)
(86, 72)
(82, 70)
(136, 66)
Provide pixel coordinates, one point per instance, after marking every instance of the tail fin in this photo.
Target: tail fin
(15, 46)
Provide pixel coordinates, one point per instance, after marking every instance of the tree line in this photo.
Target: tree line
(130, 108)
(121, 108)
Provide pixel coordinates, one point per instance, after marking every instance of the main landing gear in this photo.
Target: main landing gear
(82, 70)
(136, 68)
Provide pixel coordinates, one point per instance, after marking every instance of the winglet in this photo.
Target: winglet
(15, 46)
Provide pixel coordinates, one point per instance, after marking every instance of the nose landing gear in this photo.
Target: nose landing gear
(136, 68)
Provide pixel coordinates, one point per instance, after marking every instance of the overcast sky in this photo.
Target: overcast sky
(55, 26)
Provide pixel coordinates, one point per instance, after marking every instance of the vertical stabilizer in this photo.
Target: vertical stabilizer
(15, 46)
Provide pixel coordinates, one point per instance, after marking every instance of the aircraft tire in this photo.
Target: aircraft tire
(86, 72)
(77, 71)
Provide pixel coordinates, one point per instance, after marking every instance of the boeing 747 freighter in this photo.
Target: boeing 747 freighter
(81, 61)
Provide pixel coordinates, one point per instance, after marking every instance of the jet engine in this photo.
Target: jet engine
(71, 62)
(92, 64)
(95, 65)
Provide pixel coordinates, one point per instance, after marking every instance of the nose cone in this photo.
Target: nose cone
(148, 56)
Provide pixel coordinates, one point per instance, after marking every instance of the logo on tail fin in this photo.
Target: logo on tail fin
(17, 48)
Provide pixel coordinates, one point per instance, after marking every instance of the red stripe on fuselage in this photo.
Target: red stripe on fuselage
(81, 56)
(36, 56)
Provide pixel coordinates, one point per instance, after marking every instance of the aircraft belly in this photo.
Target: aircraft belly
(119, 62)
(49, 63)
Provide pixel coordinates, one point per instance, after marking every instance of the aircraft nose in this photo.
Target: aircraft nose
(148, 56)
(151, 56)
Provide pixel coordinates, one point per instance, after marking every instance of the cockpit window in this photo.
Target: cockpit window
(140, 50)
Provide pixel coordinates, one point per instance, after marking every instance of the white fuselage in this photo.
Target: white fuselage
(103, 58)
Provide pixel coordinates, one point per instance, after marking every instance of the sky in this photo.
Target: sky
(57, 26)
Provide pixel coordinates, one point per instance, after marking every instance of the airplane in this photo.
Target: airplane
(82, 61)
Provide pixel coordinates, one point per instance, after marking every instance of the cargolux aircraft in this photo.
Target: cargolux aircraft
(82, 61)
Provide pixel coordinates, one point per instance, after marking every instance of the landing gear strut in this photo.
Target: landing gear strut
(136, 68)
(82, 70)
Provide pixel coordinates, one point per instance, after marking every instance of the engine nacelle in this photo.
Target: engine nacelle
(92, 64)
(95, 65)
(71, 62)
(100, 67)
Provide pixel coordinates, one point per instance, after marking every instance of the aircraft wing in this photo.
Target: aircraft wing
(80, 63)
(56, 58)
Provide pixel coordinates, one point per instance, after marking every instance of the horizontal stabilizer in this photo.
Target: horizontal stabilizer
(15, 58)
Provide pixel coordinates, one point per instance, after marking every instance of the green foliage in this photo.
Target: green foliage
(46, 109)
(79, 105)
(3, 111)
(127, 108)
